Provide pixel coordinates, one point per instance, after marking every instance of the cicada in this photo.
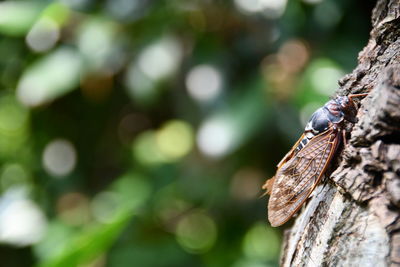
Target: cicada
(300, 171)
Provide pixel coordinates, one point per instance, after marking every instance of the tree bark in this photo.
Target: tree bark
(353, 218)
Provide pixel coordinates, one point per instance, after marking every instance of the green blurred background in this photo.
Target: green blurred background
(139, 132)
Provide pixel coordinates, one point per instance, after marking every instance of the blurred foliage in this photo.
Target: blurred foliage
(139, 132)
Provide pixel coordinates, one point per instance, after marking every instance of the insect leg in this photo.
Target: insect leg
(344, 137)
(357, 95)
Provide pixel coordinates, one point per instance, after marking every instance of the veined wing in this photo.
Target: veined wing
(268, 184)
(291, 153)
(297, 178)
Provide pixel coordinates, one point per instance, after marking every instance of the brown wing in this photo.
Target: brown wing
(268, 184)
(291, 153)
(297, 177)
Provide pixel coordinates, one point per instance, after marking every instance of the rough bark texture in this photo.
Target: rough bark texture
(353, 218)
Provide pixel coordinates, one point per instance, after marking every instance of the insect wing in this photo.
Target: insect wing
(291, 153)
(297, 178)
(268, 184)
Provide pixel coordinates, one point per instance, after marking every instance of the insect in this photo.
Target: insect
(300, 171)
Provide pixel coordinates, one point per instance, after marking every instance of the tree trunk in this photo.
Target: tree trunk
(353, 218)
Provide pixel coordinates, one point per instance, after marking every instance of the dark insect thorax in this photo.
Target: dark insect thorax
(320, 121)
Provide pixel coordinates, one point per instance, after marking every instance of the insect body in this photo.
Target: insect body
(300, 171)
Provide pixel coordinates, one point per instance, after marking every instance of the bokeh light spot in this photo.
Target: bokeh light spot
(13, 116)
(325, 79)
(52, 76)
(132, 190)
(139, 86)
(169, 207)
(146, 151)
(248, 6)
(270, 8)
(73, 208)
(196, 232)
(104, 206)
(160, 59)
(16, 17)
(59, 157)
(126, 10)
(273, 8)
(215, 137)
(204, 82)
(21, 220)
(246, 184)
(170, 143)
(43, 35)
(57, 12)
(14, 126)
(293, 55)
(13, 175)
(175, 139)
(97, 41)
(327, 14)
(261, 243)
